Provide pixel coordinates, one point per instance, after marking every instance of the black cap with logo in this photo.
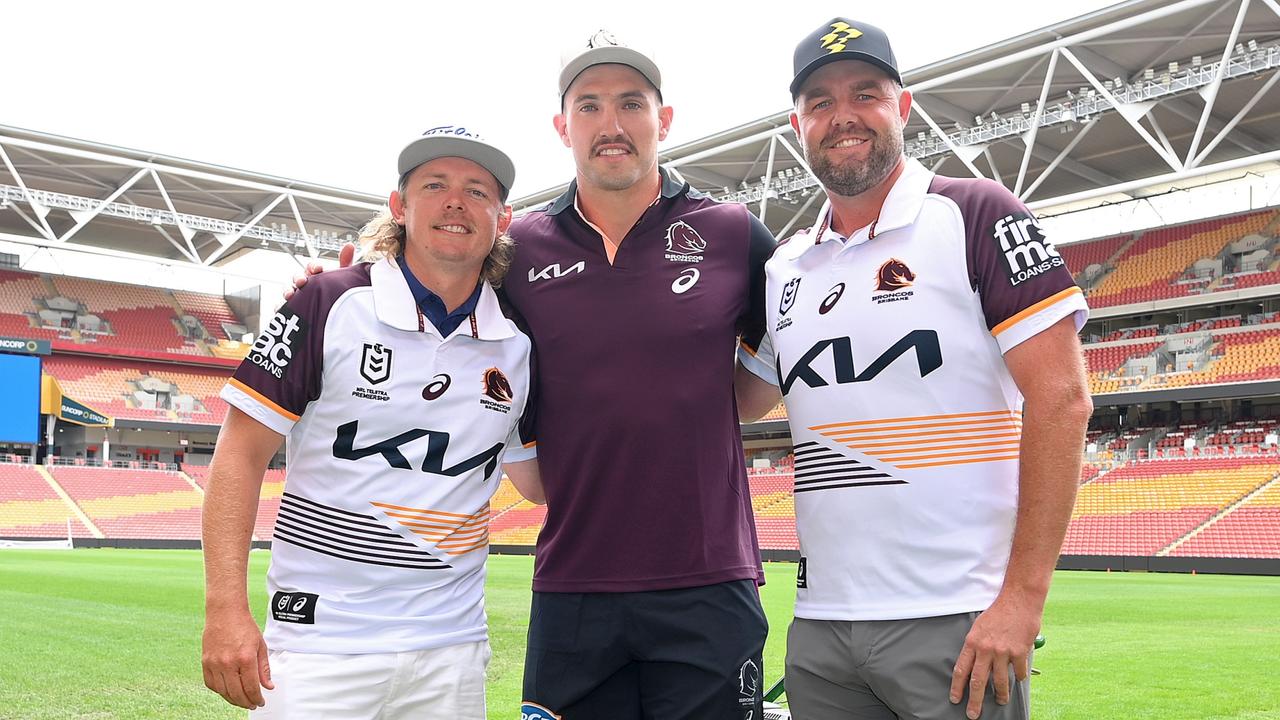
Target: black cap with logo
(843, 39)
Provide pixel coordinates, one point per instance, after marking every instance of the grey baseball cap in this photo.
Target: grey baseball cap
(458, 141)
(603, 48)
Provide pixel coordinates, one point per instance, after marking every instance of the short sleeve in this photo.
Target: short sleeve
(762, 362)
(751, 329)
(282, 373)
(1023, 283)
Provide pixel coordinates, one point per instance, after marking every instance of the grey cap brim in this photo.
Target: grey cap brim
(610, 55)
(437, 146)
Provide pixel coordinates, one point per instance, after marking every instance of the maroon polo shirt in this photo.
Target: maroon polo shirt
(633, 412)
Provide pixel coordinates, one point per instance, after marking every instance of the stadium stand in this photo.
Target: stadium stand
(514, 520)
(1161, 264)
(92, 316)
(1143, 507)
(211, 311)
(1248, 530)
(1090, 260)
(30, 508)
(140, 390)
(1230, 350)
(773, 502)
(134, 504)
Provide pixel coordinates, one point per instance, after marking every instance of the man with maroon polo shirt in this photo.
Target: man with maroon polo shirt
(634, 287)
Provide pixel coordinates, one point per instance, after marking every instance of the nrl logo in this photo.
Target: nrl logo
(375, 363)
(789, 292)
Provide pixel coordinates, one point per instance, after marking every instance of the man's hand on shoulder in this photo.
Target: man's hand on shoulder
(346, 256)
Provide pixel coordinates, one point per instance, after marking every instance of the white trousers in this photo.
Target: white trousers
(445, 682)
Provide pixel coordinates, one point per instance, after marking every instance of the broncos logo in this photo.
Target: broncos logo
(496, 386)
(683, 239)
(893, 275)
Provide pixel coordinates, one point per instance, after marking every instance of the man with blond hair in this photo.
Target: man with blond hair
(633, 286)
(399, 384)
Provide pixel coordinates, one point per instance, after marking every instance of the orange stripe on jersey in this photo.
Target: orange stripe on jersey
(455, 533)
(959, 462)
(1004, 425)
(930, 441)
(892, 425)
(913, 455)
(424, 511)
(532, 443)
(262, 399)
(886, 433)
(1047, 302)
(918, 417)
(750, 350)
(907, 449)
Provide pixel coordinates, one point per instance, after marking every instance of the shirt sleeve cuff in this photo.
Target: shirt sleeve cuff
(239, 396)
(758, 367)
(520, 453)
(1036, 319)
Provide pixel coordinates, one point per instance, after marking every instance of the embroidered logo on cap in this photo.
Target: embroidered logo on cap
(841, 33)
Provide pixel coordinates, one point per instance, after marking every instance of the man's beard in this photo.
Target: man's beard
(854, 177)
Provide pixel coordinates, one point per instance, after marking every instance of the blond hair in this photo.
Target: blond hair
(383, 237)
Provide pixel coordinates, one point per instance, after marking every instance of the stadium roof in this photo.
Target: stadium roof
(1142, 93)
(75, 194)
(1092, 109)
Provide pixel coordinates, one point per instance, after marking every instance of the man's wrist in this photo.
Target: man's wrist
(226, 606)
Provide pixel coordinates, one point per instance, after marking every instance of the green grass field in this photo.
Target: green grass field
(115, 634)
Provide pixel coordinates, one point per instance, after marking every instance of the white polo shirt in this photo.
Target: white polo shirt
(395, 440)
(888, 347)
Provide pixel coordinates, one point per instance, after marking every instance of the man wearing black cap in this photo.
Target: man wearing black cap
(399, 383)
(906, 328)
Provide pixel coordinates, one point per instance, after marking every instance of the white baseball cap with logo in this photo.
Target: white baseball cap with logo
(458, 141)
(603, 48)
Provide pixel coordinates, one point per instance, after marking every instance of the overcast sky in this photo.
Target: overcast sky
(328, 92)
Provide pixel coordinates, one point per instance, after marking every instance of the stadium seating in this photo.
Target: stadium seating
(212, 312)
(773, 503)
(18, 293)
(29, 507)
(518, 525)
(1079, 256)
(1250, 530)
(109, 318)
(1154, 267)
(1238, 352)
(127, 388)
(134, 504)
(1143, 507)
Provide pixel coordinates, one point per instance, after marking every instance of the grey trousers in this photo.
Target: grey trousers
(885, 670)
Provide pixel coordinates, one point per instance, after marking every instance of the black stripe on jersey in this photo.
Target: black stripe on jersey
(344, 515)
(302, 527)
(284, 535)
(856, 470)
(803, 448)
(852, 484)
(847, 476)
(300, 513)
(847, 464)
(815, 457)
